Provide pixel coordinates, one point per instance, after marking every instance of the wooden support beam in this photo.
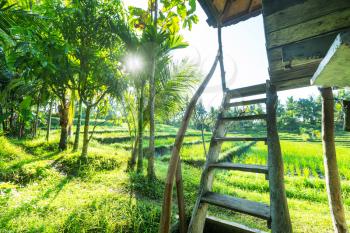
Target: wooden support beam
(330, 162)
(278, 201)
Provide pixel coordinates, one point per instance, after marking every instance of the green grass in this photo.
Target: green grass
(45, 190)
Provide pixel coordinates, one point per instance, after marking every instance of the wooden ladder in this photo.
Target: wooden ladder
(207, 197)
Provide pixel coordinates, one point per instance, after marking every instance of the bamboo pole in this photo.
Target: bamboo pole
(173, 168)
(330, 162)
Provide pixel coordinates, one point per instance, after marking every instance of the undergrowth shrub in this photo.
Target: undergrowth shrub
(26, 173)
(71, 164)
(140, 184)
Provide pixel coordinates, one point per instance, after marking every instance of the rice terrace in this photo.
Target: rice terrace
(181, 116)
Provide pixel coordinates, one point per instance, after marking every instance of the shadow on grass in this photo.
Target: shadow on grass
(140, 186)
(28, 207)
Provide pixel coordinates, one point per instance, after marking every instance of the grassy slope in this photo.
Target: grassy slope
(43, 191)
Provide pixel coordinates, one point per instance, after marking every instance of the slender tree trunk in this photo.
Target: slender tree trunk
(21, 129)
(132, 161)
(152, 92)
(36, 122)
(330, 162)
(48, 129)
(11, 119)
(140, 132)
(63, 111)
(77, 131)
(84, 151)
(3, 120)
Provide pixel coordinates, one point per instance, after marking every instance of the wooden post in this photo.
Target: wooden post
(221, 60)
(278, 201)
(330, 162)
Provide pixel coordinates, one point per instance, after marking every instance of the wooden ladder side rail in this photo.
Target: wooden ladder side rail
(200, 209)
(174, 170)
(278, 201)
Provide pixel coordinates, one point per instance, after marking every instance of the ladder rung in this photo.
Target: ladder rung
(247, 102)
(240, 167)
(247, 91)
(238, 139)
(252, 208)
(214, 224)
(243, 118)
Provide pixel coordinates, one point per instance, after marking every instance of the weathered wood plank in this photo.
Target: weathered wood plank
(295, 72)
(272, 6)
(313, 48)
(240, 167)
(239, 139)
(247, 91)
(334, 68)
(302, 12)
(245, 118)
(311, 28)
(213, 224)
(255, 209)
(293, 83)
(245, 103)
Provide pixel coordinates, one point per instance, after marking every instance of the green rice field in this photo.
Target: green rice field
(45, 190)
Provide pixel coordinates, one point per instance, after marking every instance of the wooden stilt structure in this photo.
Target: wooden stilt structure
(298, 36)
(330, 162)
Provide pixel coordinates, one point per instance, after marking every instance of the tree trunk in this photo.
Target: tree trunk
(140, 131)
(280, 217)
(21, 129)
(84, 151)
(3, 119)
(77, 131)
(152, 92)
(36, 122)
(63, 111)
(48, 129)
(132, 161)
(330, 162)
(173, 168)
